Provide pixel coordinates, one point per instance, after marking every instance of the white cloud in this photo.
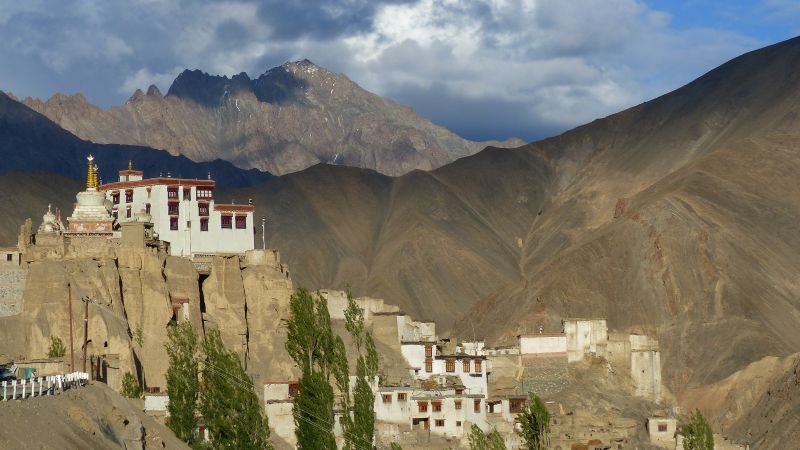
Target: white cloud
(143, 78)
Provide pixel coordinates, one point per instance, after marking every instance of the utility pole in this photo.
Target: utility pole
(71, 341)
(263, 232)
(85, 329)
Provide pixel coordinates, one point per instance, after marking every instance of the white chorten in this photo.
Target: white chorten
(51, 223)
(91, 216)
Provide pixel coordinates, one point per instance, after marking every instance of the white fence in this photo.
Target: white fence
(39, 386)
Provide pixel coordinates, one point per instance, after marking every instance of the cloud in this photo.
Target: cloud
(143, 78)
(484, 68)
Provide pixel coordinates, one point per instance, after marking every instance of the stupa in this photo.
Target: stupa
(91, 216)
(51, 223)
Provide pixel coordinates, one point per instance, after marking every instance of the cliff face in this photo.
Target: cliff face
(135, 293)
(289, 118)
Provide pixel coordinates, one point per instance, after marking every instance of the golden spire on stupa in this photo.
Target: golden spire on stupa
(130, 164)
(91, 174)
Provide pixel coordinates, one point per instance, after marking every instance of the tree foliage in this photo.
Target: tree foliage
(312, 345)
(479, 440)
(182, 380)
(360, 429)
(697, 434)
(130, 386)
(232, 412)
(534, 423)
(57, 349)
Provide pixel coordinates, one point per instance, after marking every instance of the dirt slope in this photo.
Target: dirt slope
(92, 417)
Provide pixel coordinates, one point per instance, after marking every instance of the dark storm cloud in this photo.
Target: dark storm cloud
(320, 19)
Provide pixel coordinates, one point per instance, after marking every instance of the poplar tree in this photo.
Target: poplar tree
(534, 423)
(182, 380)
(311, 344)
(479, 440)
(697, 434)
(362, 424)
(230, 407)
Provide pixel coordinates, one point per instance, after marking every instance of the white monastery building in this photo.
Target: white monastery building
(183, 212)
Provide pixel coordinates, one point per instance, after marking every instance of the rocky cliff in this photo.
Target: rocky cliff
(135, 293)
(289, 118)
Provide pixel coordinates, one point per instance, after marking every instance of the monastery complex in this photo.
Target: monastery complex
(138, 253)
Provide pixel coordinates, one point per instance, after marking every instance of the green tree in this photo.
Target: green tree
(313, 414)
(130, 386)
(534, 423)
(311, 344)
(697, 434)
(228, 402)
(479, 440)
(57, 349)
(182, 380)
(362, 425)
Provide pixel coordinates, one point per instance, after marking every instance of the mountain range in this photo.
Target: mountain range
(289, 118)
(676, 218)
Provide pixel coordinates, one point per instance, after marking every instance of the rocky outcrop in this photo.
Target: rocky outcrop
(134, 293)
(289, 118)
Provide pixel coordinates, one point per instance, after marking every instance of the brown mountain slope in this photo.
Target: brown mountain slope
(704, 249)
(290, 118)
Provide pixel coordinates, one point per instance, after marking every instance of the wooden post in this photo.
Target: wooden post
(85, 331)
(71, 341)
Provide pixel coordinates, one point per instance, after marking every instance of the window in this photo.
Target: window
(172, 209)
(294, 389)
(428, 351)
(423, 406)
(466, 366)
(477, 406)
(450, 365)
(439, 422)
(401, 396)
(187, 193)
(227, 221)
(458, 404)
(149, 192)
(458, 423)
(478, 365)
(203, 224)
(437, 406)
(241, 222)
(515, 405)
(115, 198)
(115, 214)
(662, 427)
(147, 208)
(203, 192)
(128, 211)
(387, 398)
(173, 223)
(128, 196)
(188, 224)
(202, 209)
(172, 192)
(9, 257)
(429, 365)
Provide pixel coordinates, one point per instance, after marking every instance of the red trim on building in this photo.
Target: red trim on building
(234, 208)
(130, 172)
(157, 181)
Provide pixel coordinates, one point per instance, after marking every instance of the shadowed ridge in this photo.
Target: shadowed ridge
(31, 142)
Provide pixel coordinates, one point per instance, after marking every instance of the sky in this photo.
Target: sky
(486, 69)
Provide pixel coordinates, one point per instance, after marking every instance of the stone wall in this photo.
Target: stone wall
(12, 285)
